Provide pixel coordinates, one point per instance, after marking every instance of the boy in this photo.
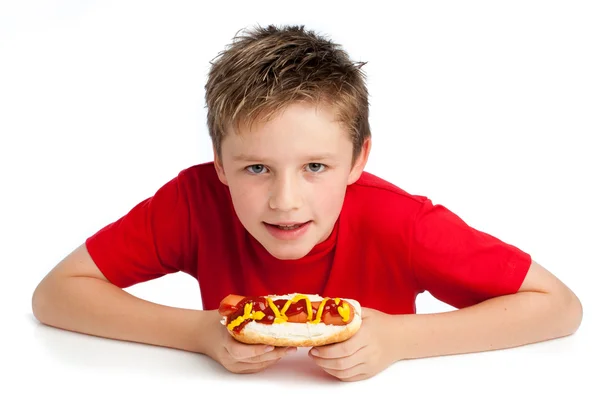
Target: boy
(286, 207)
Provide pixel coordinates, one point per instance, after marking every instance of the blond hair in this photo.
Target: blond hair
(265, 69)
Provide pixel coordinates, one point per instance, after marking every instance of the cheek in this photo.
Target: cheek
(329, 198)
(247, 198)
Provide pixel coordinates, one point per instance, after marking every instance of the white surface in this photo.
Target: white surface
(78, 367)
(490, 110)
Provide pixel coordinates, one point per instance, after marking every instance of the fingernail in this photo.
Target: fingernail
(315, 352)
(269, 348)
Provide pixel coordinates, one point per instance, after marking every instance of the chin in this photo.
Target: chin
(289, 252)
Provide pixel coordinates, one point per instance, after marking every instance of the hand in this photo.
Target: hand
(238, 357)
(363, 355)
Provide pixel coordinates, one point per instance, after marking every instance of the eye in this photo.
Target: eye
(256, 169)
(316, 167)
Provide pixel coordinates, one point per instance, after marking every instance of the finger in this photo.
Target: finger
(246, 367)
(361, 376)
(346, 374)
(277, 353)
(240, 351)
(338, 350)
(342, 363)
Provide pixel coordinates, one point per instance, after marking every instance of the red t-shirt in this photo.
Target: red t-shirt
(386, 248)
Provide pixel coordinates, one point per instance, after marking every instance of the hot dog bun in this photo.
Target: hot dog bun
(292, 334)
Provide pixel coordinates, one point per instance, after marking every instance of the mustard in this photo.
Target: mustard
(320, 311)
(296, 299)
(344, 311)
(248, 314)
(280, 317)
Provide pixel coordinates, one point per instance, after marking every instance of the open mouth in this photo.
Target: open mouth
(288, 227)
(288, 231)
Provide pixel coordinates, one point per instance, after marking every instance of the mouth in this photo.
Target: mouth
(287, 226)
(288, 230)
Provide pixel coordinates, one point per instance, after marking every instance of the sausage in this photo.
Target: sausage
(228, 304)
(231, 304)
(327, 317)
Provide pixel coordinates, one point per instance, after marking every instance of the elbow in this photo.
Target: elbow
(36, 302)
(40, 302)
(575, 313)
(572, 313)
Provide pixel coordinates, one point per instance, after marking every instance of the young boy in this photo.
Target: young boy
(286, 207)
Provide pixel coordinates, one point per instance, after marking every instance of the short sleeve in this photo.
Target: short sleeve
(460, 265)
(147, 242)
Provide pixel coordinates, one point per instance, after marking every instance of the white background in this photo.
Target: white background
(489, 108)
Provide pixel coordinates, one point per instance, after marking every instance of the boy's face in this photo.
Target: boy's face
(288, 177)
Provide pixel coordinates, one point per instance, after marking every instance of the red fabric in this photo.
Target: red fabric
(387, 247)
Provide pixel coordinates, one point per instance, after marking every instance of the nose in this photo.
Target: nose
(285, 194)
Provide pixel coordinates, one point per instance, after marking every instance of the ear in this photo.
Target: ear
(361, 161)
(219, 167)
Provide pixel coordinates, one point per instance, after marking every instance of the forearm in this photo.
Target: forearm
(498, 323)
(96, 307)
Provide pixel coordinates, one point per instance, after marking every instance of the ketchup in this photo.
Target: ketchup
(261, 304)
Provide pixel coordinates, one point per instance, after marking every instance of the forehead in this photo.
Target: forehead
(301, 129)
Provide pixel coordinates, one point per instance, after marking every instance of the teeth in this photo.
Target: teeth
(289, 227)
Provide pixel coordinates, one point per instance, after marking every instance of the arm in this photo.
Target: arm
(76, 296)
(543, 309)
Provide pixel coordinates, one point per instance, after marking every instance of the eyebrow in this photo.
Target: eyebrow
(250, 158)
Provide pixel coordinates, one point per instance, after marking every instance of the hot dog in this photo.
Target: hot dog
(296, 320)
